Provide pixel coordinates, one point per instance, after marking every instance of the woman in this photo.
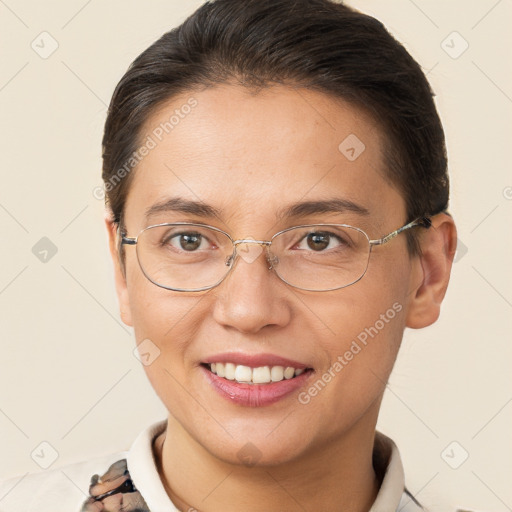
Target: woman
(277, 193)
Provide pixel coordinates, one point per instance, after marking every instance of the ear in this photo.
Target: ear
(119, 272)
(432, 271)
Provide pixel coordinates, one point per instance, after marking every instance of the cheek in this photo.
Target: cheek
(157, 313)
(162, 326)
(371, 308)
(361, 358)
(366, 323)
(169, 320)
(367, 330)
(166, 325)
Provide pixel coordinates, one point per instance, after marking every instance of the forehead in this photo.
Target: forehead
(240, 150)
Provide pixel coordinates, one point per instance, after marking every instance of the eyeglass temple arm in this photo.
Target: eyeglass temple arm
(424, 221)
(122, 239)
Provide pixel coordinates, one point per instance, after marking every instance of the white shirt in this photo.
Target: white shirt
(65, 489)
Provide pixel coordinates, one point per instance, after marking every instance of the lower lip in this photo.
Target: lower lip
(255, 395)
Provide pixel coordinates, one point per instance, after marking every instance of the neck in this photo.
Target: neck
(338, 475)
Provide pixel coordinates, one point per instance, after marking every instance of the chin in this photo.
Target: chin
(256, 451)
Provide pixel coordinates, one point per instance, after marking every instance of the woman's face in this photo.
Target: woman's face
(250, 156)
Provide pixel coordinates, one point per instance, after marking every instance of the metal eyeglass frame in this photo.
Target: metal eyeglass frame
(126, 240)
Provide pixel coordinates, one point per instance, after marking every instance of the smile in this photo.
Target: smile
(257, 386)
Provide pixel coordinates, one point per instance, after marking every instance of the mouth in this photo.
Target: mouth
(243, 374)
(255, 380)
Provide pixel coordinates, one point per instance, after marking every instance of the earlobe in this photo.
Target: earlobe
(432, 272)
(119, 273)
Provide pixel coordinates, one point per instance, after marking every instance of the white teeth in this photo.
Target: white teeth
(260, 375)
(229, 371)
(220, 370)
(289, 372)
(277, 373)
(243, 373)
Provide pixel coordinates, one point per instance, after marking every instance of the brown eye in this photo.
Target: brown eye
(189, 242)
(318, 241)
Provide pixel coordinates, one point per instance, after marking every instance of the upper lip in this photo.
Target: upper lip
(254, 360)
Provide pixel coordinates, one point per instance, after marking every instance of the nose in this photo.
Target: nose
(252, 296)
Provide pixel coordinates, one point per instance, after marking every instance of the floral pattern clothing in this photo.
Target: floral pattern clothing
(114, 491)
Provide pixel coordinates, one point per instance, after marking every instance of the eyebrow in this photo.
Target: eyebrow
(178, 204)
(298, 209)
(335, 205)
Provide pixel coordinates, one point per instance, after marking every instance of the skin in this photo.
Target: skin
(273, 148)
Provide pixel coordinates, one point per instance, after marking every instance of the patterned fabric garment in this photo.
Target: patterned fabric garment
(114, 491)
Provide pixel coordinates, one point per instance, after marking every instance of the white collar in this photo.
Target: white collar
(144, 473)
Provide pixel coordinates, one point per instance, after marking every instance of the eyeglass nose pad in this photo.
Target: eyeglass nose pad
(229, 259)
(272, 259)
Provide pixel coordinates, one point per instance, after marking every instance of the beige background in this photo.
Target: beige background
(68, 375)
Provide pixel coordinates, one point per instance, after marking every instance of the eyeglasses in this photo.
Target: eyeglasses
(188, 257)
